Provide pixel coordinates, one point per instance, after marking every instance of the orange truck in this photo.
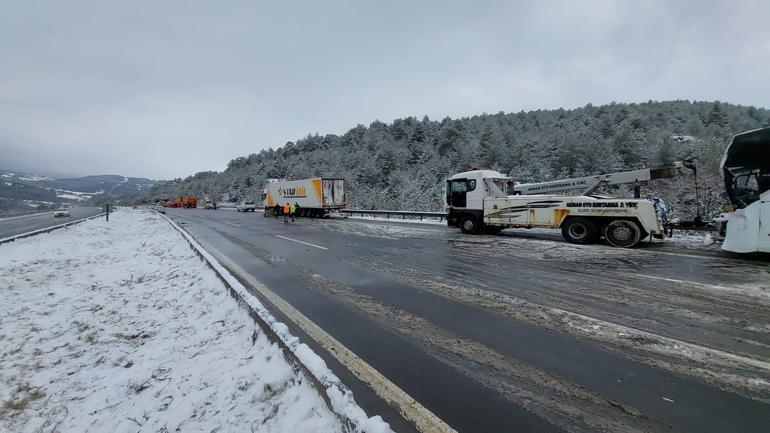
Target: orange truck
(189, 201)
(176, 202)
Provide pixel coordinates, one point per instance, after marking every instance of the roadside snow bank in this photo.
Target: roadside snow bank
(340, 397)
(119, 326)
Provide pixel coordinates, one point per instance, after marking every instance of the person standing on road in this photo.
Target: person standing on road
(292, 211)
(296, 209)
(277, 210)
(286, 209)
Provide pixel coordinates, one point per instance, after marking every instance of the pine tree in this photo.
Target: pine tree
(717, 116)
(666, 154)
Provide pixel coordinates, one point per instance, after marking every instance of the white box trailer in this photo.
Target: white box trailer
(316, 197)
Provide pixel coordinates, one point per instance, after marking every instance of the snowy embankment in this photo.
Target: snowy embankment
(119, 326)
(686, 239)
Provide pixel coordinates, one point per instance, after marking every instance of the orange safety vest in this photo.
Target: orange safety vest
(286, 208)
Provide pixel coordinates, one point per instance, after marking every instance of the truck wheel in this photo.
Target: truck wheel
(470, 225)
(579, 230)
(622, 233)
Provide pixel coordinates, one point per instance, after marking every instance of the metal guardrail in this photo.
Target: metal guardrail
(396, 213)
(47, 229)
(25, 214)
(689, 226)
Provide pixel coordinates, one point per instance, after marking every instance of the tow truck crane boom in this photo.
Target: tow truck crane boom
(589, 183)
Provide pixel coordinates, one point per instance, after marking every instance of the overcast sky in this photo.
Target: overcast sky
(163, 89)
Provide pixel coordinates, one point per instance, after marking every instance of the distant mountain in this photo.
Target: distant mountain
(103, 184)
(22, 190)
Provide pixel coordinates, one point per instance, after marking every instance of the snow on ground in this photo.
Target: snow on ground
(119, 326)
(74, 195)
(376, 229)
(37, 203)
(397, 219)
(35, 178)
(684, 239)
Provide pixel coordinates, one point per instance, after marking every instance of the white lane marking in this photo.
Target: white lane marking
(230, 224)
(425, 420)
(674, 280)
(757, 294)
(300, 242)
(668, 253)
(667, 399)
(691, 283)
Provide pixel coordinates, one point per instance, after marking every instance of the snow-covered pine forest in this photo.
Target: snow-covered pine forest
(402, 165)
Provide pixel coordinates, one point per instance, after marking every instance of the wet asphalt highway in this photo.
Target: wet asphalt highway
(14, 226)
(520, 333)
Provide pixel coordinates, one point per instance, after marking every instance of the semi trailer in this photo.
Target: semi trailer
(487, 201)
(746, 170)
(316, 197)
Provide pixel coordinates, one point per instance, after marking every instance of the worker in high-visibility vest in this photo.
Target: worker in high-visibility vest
(286, 210)
(292, 211)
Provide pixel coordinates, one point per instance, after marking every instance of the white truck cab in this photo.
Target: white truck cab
(746, 170)
(487, 201)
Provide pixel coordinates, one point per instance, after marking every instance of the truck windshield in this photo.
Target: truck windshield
(745, 188)
(746, 167)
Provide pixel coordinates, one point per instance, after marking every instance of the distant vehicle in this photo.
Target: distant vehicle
(189, 202)
(177, 202)
(61, 213)
(209, 204)
(158, 209)
(246, 206)
(316, 197)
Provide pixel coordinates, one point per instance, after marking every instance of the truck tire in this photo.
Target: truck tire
(470, 225)
(622, 233)
(579, 230)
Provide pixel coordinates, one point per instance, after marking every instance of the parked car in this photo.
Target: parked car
(245, 206)
(61, 213)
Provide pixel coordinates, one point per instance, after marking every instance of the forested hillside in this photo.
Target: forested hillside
(402, 165)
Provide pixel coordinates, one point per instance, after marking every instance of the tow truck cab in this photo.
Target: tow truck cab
(746, 171)
(465, 193)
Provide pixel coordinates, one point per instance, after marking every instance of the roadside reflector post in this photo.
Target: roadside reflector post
(107, 210)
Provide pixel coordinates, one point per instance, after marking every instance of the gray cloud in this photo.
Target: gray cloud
(164, 89)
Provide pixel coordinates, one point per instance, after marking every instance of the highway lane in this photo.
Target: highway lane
(503, 333)
(15, 226)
